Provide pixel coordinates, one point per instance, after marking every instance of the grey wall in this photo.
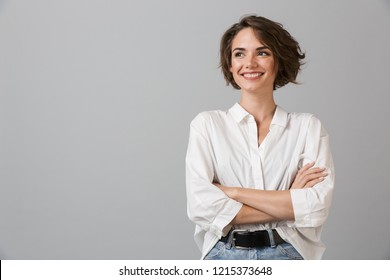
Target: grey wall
(96, 98)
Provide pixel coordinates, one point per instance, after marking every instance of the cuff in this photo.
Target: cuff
(223, 219)
(301, 208)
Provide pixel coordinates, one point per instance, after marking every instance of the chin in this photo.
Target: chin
(257, 88)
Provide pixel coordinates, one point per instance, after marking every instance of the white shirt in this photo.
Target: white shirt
(223, 147)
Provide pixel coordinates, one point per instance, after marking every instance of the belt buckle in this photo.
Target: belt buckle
(232, 240)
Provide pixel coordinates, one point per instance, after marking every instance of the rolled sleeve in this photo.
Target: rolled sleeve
(311, 206)
(207, 206)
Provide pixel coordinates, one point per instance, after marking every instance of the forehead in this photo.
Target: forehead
(247, 37)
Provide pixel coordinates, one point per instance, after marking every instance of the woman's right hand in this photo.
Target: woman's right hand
(308, 176)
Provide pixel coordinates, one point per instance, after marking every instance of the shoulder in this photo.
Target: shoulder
(310, 122)
(308, 118)
(294, 120)
(303, 120)
(299, 116)
(208, 117)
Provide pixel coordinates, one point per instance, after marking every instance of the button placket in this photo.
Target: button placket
(255, 156)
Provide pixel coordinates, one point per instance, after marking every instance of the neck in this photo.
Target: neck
(260, 106)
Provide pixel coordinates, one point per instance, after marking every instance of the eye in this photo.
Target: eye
(238, 54)
(263, 53)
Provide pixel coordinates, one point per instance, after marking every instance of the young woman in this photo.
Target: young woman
(259, 179)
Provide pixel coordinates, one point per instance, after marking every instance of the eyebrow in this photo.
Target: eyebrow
(258, 49)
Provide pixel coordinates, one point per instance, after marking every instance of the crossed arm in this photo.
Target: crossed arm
(261, 206)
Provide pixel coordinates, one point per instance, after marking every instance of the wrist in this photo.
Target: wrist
(235, 193)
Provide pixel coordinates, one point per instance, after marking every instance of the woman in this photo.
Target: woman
(259, 180)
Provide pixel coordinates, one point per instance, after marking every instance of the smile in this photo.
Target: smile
(252, 75)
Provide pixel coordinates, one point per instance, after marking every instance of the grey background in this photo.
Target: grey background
(96, 98)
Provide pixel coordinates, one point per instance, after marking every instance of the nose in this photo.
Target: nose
(251, 62)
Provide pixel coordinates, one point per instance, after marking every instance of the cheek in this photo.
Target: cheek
(273, 66)
(234, 67)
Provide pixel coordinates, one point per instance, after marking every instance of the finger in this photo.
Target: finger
(314, 170)
(307, 178)
(313, 176)
(306, 167)
(314, 182)
(311, 172)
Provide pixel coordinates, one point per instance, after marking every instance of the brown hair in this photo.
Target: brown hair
(286, 50)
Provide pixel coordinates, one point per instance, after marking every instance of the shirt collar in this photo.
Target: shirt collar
(280, 117)
(239, 113)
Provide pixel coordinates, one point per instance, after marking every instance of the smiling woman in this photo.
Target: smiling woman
(252, 64)
(272, 37)
(259, 179)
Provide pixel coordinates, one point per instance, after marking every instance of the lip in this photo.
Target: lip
(251, 75)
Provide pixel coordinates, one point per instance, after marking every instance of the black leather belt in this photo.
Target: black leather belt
(247, 239)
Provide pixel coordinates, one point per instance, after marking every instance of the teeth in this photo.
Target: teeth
(252, 75)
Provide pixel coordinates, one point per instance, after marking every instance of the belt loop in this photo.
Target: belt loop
(229, 242)
(232, 240)
(271, 238)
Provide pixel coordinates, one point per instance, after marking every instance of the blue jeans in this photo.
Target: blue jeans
(224, 251)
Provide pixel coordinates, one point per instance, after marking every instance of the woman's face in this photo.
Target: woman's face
(253, 65)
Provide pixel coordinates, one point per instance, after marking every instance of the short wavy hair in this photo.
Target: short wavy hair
(287, 52)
